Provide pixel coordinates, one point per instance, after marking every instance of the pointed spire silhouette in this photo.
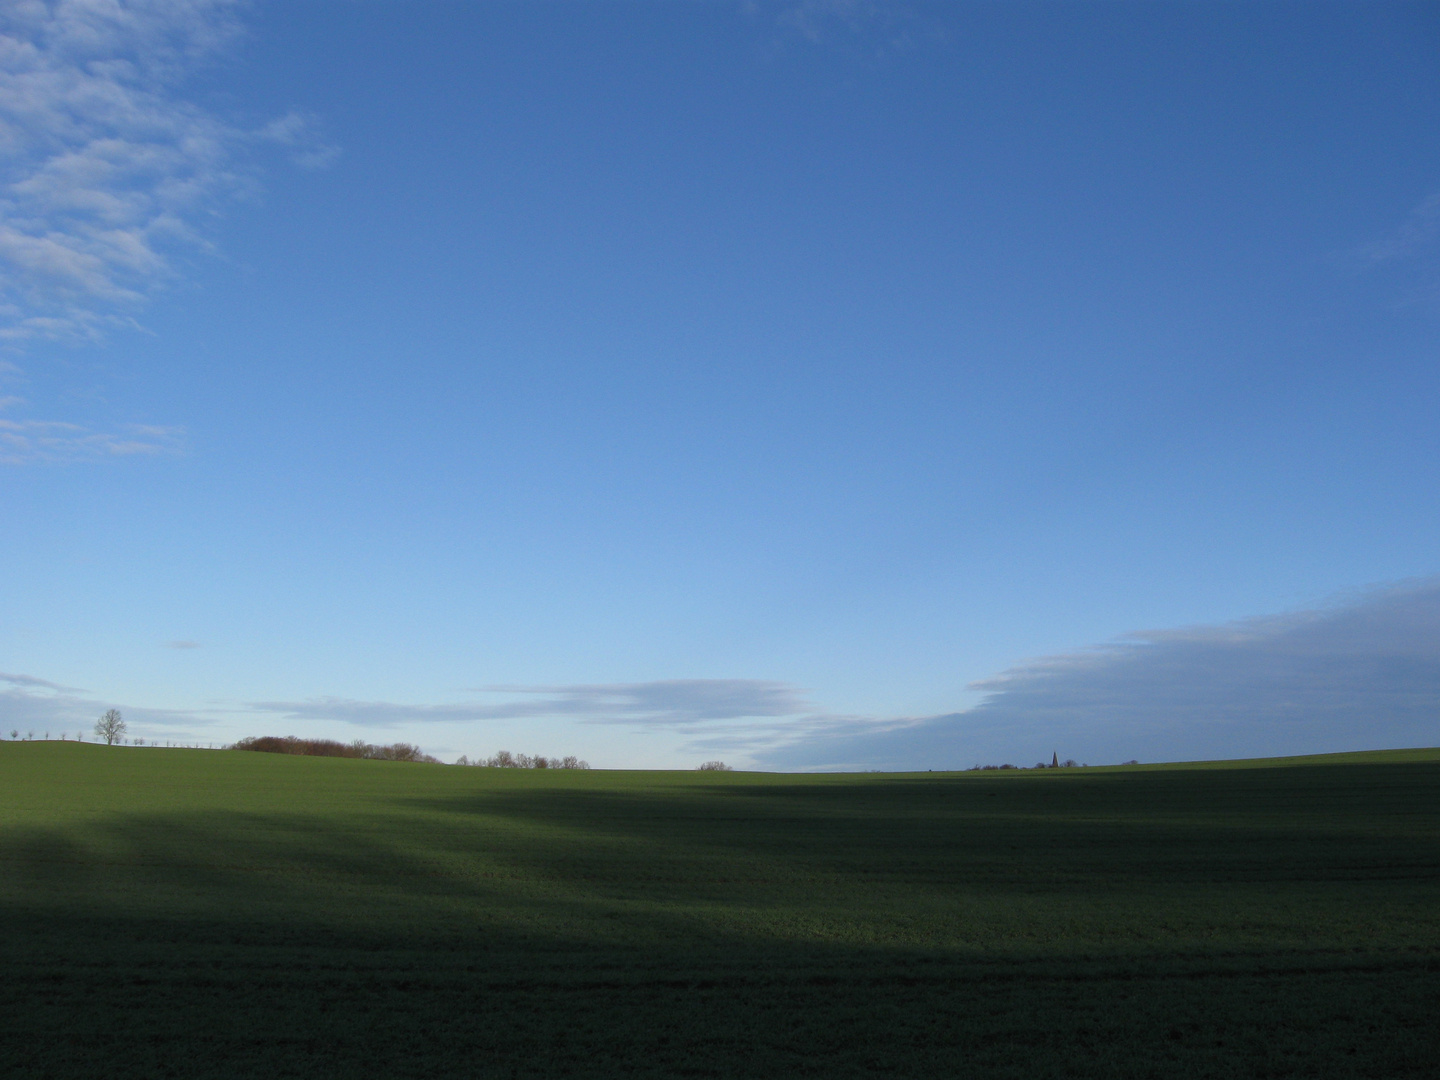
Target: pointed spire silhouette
(1055, 760)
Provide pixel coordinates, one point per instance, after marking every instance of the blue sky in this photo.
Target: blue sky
(816, 385)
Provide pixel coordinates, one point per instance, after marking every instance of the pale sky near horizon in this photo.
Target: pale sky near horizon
(809, 384)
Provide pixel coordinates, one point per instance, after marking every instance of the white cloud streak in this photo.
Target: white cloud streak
(676, 703)
(31, 684)
(56, 442)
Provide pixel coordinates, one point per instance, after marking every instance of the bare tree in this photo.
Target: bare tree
(714, 766)
(110, 727)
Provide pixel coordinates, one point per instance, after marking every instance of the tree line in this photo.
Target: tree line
(289, 744)
(111, 727)
(506, 760)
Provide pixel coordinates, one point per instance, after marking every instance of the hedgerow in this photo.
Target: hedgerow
(289, 744)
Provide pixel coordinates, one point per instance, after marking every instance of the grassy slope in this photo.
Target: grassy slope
(198, 913)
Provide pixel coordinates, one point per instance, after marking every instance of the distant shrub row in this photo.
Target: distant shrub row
(273, 744)
(506, 760)
(1069, 763)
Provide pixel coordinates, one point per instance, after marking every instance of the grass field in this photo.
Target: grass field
(191, 913)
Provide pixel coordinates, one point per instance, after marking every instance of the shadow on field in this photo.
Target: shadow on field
(1105, 831)
(1070, 864)
(1265, 923)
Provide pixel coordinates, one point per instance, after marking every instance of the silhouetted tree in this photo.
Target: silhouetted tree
(110, 727)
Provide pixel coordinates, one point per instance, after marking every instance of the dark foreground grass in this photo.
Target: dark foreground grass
(220, 914)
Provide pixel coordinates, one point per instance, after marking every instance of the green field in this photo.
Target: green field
(194, 913)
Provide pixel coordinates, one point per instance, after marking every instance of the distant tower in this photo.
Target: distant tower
(1055, 760)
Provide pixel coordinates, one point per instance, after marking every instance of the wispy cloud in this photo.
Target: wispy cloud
(867, 29)
(367, 713)
(1409, 256)
(671, 702)
(761, 742)
(676, 703)
(1418, 231)
(105, 168)
(30, 684)
(816, 18)
(301, 135)
(103, 165)
(56, 442)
